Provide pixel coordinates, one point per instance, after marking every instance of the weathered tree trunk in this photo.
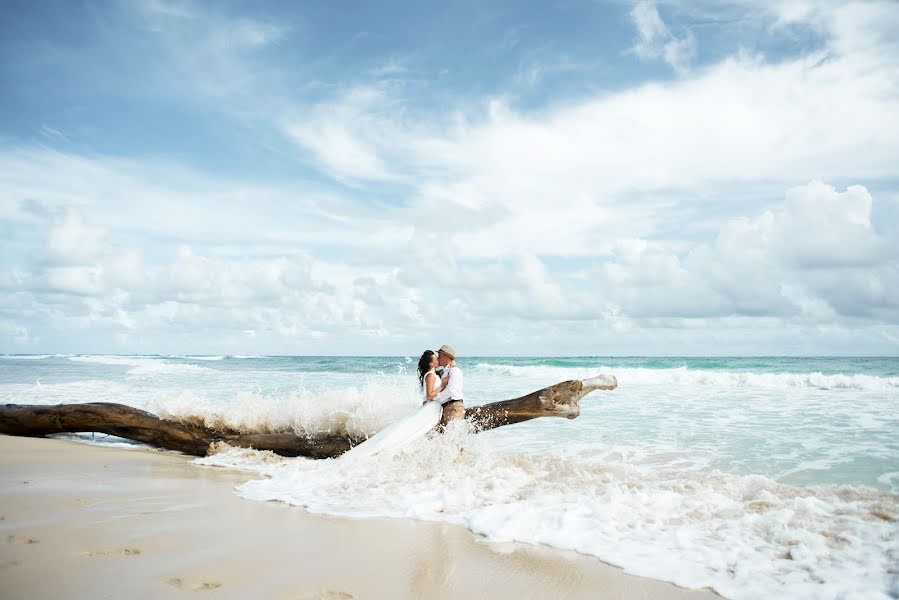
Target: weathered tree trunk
(138, 425)
(560, 400)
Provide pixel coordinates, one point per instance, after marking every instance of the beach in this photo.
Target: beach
(751, 477)
(239, 231)
(81, 521)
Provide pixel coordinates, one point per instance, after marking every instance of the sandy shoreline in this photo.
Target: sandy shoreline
(81, 521)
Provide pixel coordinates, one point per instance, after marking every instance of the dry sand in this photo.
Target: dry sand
(82, 521)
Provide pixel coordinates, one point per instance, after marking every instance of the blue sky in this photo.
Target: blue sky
(572, 178)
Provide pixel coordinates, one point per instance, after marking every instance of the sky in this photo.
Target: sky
(568, 178)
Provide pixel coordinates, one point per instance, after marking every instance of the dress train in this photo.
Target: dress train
(404, 431)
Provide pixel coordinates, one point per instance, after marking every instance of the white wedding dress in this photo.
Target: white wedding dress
(404, 431)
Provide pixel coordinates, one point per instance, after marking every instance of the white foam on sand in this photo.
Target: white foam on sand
(744, 536)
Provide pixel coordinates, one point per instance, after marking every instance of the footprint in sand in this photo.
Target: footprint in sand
(18, 539)
(193, 586)
(112, 552)
(328, 595)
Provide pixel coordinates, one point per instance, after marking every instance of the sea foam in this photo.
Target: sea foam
(744, 536)
(357, 412)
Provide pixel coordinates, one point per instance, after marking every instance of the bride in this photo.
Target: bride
(430, 384)
(415, 424)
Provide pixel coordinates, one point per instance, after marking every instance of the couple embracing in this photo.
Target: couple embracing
(443, 403)
(441, 382)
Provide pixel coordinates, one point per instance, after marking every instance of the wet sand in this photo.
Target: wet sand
(84, 521)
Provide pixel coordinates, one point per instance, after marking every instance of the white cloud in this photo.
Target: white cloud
(145, 199)
(209, 54)
(655, 40)
(644, 280)
(526, 289)
(620, 161)
(822, 228)
(200, 279)
(817, 256)
(853, 27)
(121, 290)
(80, 280)
(53, 134)
(125, 269)
(341, 135)
(167, 8)
(573, 177)
(73, 242)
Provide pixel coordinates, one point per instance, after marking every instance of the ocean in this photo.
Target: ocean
(762, 476)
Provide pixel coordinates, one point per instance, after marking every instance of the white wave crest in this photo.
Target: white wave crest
(700, 377)
(143, 366)
(32, 356)
(196, 356)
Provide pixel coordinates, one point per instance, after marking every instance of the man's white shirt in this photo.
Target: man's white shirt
(453, 389)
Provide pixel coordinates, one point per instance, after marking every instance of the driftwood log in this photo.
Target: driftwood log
(191, 437)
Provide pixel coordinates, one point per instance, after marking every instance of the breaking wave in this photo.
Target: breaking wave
(358, 412)
(698, 377)
(143, 366)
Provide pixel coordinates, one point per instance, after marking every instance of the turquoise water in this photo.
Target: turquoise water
(14, 370)
(794, 419)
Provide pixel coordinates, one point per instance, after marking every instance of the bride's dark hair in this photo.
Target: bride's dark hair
(424, 365)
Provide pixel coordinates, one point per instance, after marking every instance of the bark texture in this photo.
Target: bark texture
(559, 400)
(191, 437)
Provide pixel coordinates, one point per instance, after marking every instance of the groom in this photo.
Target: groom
(451, 396)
